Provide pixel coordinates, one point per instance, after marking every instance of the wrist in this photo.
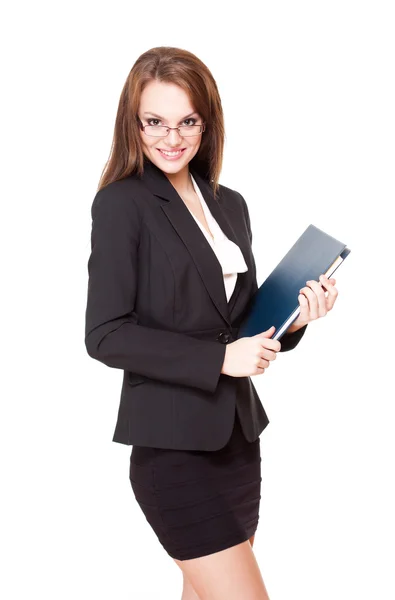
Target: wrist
(224, 361)
(292, 328)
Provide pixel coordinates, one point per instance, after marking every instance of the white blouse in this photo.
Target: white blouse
(227, 252)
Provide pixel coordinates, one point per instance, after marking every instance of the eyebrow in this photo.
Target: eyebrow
(162, 119)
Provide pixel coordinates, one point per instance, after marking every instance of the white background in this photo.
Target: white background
(308, 95)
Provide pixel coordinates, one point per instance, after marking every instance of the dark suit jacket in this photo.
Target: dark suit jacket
(157, 309)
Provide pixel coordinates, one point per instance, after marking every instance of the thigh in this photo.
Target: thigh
(232, 574)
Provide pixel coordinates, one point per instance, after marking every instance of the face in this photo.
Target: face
(168, 104)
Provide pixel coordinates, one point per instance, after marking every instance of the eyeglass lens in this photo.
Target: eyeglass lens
(161, 130)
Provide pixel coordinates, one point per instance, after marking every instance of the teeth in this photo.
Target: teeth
(171, 153)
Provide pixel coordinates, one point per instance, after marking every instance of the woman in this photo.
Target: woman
(170, 274)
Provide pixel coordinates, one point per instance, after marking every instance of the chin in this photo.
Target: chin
(172, 168)
(169, 166)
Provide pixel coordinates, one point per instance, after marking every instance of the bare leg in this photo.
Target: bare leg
(201, 574)
(188, 591)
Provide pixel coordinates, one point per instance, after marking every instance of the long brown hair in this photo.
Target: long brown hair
(169, 65)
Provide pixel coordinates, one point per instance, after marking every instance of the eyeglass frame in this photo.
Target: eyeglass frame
(142, 127)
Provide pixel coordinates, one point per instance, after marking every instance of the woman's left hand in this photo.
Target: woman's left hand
(314, 302)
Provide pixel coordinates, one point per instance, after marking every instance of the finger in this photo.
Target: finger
(304, 314)
(327, 283)
(321, 298)
(262, 363)
(267, 354)
(332, 292)
(312, 300)
(323, 279)
(274, 345)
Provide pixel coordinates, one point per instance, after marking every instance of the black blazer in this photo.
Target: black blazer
(157, 308)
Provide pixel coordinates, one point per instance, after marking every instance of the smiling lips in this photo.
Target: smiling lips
(171, 154)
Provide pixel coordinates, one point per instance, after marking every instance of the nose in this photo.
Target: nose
(173, 138)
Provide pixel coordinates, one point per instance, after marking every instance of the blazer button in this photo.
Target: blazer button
(223, 337)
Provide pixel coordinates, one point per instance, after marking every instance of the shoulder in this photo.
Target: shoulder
(231, 198)
(115, 199)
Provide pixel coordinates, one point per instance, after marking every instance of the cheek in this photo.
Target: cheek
(146, 141)
(196, 145)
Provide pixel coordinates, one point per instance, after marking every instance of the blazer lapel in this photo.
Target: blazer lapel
(193, 238)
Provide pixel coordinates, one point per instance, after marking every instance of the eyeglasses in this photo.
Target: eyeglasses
(163, 130)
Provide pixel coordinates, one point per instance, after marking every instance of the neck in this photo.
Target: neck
(181, 181)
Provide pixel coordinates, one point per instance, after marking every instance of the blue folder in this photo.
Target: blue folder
(276, 300)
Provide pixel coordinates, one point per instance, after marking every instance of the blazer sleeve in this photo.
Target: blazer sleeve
(112, 335)
(288, 341)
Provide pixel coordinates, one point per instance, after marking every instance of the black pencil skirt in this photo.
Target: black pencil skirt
(199, 502)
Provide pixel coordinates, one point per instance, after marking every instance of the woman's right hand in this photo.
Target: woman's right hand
(250, 355)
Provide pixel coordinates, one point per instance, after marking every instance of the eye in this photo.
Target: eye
(191, 119)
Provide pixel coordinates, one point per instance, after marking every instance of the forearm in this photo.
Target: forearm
(164, 355)
(292, 328)
(291, 339)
